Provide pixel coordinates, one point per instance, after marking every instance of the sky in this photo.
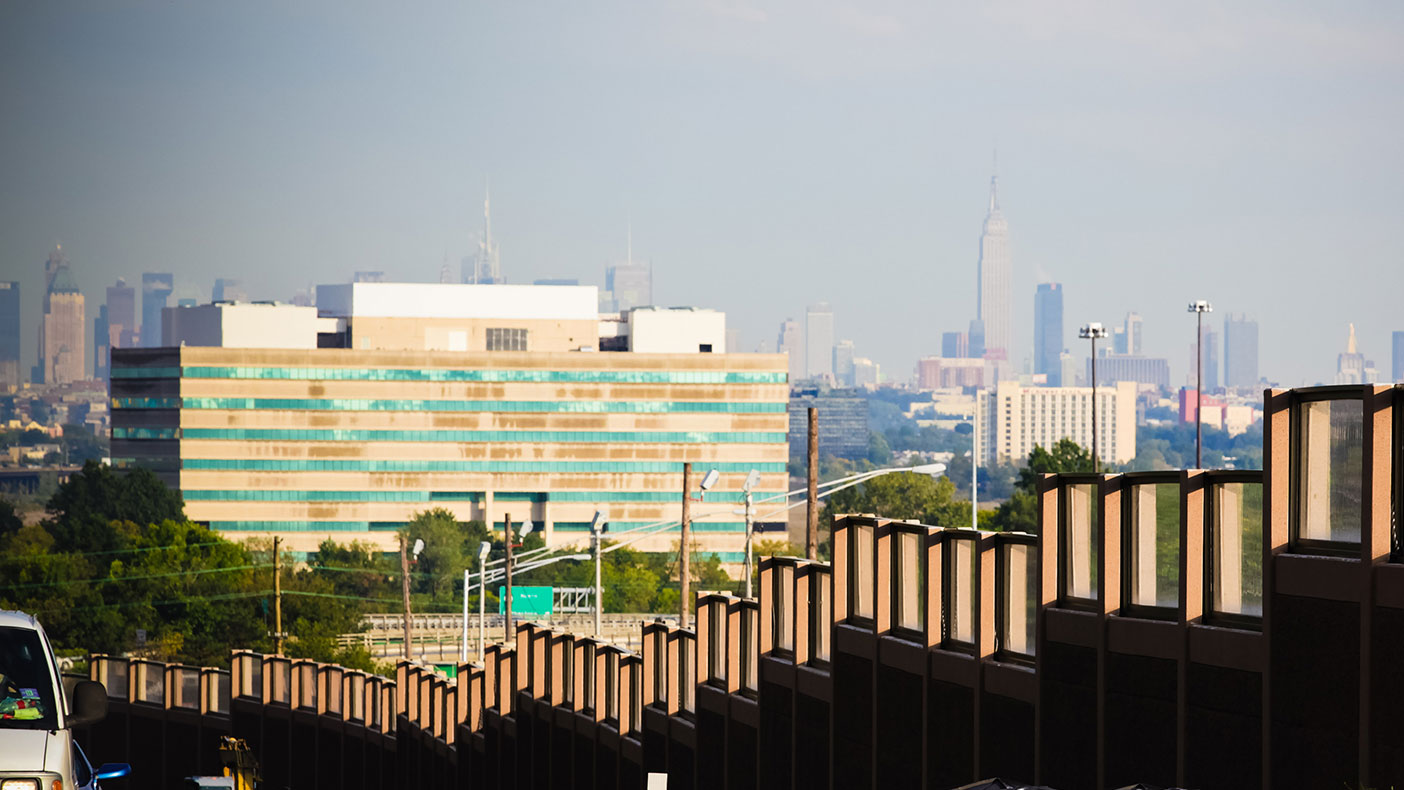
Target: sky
(767, 155)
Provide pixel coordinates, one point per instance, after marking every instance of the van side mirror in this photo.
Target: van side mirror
(112, 771)
(89, 704)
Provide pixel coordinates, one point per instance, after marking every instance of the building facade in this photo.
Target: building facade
(935, 373)
(1048, 332)
(156, 288)
(819, 341)
(789, 342)
(1240, 352)
(843, 422)
(9, 333)
(843, 363)
(349, 444)
(63, 328)
(1012, 420)
(1111, 368)
(954, 345)
(996, 286)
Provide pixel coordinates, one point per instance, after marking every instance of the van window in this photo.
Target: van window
(27, 699)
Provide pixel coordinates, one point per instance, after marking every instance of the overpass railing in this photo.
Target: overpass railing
(1193, 628)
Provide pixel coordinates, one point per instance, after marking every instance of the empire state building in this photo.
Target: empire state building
(995, 297)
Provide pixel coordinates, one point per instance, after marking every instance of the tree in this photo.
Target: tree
(10, 522)
(1020, 512)
(450, 547)
(879, 452)
(82, 508)
(901, 495)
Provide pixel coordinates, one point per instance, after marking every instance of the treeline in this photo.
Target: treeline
(116, 567)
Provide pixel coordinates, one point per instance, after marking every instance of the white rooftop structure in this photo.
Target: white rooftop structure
(676, 330)
(243, 325)
(453, 300)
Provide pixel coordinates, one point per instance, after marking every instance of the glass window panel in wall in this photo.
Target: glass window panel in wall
(861, 571)
(587, 678)
(1153, 545)
(960, 607)
(823, 611)
(910, 581)
(1236, 549)
(687, 679)
(750, 655)
(568, 671)
(660, 667)
(612, 686)
(1081, 538)
(716, 639)
(784, 608)
(1019, 600)
(635, 696)
(1330, 454)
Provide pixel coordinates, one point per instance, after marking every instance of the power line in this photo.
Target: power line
(21, 557)
(133, 578)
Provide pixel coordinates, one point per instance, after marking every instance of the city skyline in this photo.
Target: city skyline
(1220, 149)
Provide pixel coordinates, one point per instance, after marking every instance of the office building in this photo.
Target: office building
(936, 373)
(733, 341)
(1048, 332)
(556, 281)
(996, 288)
(484, 267)
(955, 345)
(819, 341)
(9, 334)
(156, 288)
(1112, 368)
(116, 325)
(1126, 339)
(478, 400)
(1398, 350)
(789, 342)
(627, 285)
(1240, 352)
(843, 363)
(843, 421)
(866, 373)
(1351, 366)
(1011, 420)
(229, 290)
(63, 328)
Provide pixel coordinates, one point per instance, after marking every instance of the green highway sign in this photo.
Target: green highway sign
(526, 601)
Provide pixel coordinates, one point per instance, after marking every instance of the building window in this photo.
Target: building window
(1328, 460)
(499, 339)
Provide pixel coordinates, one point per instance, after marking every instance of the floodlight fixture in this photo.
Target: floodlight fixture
(1200, 306)
(710, 479)
(600, 522)
(526, 528)
(418, 547)
(935, 470)
(1092, 331)
(752, 480)
(483, 549)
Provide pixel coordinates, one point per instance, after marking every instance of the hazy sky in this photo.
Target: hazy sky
(769, 154)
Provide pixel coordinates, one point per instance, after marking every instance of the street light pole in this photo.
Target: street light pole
(1199, 308)
(507, 600)
(748, 544)
(683, 569)
(1091, 332)
(597, 527)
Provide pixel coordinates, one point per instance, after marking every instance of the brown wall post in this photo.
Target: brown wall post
(811, 525)
(684, 567)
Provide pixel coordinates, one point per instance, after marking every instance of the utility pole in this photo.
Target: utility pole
(1199, 308)
(507, 600)
(404, 587)
(599, 595)
(749, 567)
(1092, 332)
(811, 526)
(277, 599)
(683, 565)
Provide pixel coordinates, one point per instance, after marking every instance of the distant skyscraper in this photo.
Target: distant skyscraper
(557, 281)
(843, 363)
(1133, 333)
(1211, 360)
(1398, 354)
(789, 343)
(954, 345)
(485, 266)
(9, 333)
(996, 294)
(733, 340)
(628, 284)
(819, 340)
(1240, 351)
(976, 344)
(1350, 366)
(63, 330)
(227, 290)
(1048, 332)
(369, 277)
(115, 326)
(156, 288)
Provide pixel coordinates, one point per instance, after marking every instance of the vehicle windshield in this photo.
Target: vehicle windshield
(27, 699)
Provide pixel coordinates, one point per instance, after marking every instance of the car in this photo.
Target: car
(37, 717)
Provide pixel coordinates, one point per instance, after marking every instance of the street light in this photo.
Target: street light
(598, 525)
(1091, 332)
(483, 549)
(752, 480)
(1199, 308)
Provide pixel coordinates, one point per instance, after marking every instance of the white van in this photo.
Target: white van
(37, 750)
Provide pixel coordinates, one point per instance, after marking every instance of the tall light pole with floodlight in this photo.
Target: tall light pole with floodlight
(597, 527)
(1199, 308)
(1091, 332)
(752, 480)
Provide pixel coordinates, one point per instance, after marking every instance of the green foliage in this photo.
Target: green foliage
(1019, 513)
(1172, 447)
(879, 452)
(83, 506)
(904, 495)
(449, 548)
(10, 522)
(80, 445)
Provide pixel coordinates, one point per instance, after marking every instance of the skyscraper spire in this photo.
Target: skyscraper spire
(487, 213)
(1350, 343)
(994, 183)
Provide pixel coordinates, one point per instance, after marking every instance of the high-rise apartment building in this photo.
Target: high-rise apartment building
(1126, 339)
(843, 422)
(1398, 350)
(1240, 351)
(63, 328)
(1351, 366)
(843, 363)
(229, 290)
(156, 288)
(1011, 420)
(1048, 332)
(9, 333)
(955, 345)
(789, 342)
(996, 289)
(819, 341)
